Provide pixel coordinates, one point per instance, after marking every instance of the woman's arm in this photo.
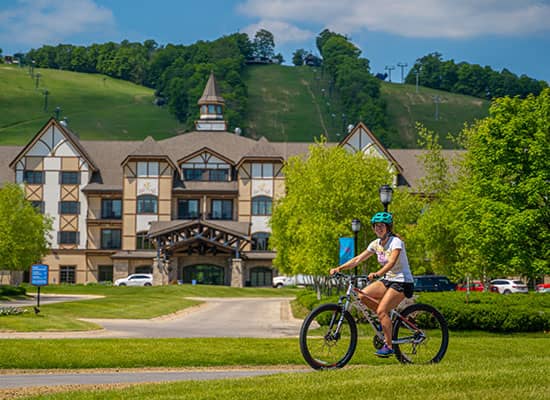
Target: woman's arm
(388, 266)
(353, 262)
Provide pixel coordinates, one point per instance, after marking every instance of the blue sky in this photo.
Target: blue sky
(500, 33)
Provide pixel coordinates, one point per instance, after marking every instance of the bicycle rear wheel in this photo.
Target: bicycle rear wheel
(323, 342)
(421, 335)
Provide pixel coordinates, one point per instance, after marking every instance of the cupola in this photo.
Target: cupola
(211, 106)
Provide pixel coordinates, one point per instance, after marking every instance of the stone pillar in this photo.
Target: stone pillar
(120, 269)
(236, 272)
(160, 272)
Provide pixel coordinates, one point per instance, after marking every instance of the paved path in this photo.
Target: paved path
(216, 317)
(26, 380)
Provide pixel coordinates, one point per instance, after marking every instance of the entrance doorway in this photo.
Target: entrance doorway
(204, 274)
(261, 276)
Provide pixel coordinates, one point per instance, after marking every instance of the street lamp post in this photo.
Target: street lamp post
(386, 193)
(355, 227)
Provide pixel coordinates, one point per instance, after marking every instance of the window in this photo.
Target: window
(111, 208)
(261, 205)
(193, 174)
(105, 273)
(203, 174)
(262, 170)
(218, 175)
(143, 242)
(110, 239)
(147, 204)
(188, 209)
(33, 177)
(147, 168)
(67, 237)
(39, 205)
(260, 241)
(69, 207)
(222, 209)
(69, 178)
(67, 274)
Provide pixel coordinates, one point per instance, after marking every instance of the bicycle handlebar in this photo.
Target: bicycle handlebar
(350, 276)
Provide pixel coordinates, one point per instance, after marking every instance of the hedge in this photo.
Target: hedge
(490, 312)
(7, 290)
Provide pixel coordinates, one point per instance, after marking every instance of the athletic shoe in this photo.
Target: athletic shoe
(384, 352)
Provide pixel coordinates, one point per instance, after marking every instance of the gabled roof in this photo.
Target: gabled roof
(379, 145)
(205, 149)
(67, 133)
(149, 148)
(262, 150)
(211, 94)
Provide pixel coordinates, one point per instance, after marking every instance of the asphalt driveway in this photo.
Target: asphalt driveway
(216, 317)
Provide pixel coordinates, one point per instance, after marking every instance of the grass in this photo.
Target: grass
(126, 302)
(481, 367)
(406, 107)
(98, 107)
(288, 104)
(285, 104)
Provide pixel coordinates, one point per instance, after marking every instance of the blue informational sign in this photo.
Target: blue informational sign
(39, 274)
(347, 248)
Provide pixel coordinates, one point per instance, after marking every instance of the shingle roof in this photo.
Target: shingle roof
(7, 154)
(211, 94)
(413, 168)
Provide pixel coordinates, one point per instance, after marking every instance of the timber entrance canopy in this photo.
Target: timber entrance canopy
(200, 237)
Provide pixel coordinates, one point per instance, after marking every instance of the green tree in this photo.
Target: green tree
(298, 57)
(264, 44)
(324, 193)
(495, 219)
(23, 230)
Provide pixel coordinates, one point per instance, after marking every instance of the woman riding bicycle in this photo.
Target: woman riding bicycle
(397, 282)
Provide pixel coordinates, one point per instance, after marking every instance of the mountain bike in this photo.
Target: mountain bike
(329, 334)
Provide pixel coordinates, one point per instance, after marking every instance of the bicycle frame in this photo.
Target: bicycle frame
(351, 300)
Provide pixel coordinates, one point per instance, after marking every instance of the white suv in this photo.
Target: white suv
(507, 286)
(135, 280)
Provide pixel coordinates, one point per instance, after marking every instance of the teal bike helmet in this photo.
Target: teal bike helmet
(383, 217)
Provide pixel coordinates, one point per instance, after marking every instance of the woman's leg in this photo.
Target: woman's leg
(390, 300)
(375, 290)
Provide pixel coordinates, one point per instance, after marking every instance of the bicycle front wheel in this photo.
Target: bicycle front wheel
(420, 335)
(328, 338)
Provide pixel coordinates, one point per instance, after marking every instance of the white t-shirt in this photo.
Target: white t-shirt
(401, 271)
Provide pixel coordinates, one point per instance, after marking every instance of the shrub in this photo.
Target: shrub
(479, 311)
(6, 290)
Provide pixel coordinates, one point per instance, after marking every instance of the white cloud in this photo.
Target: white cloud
(282, 31)
(420, 18)
(38, 22)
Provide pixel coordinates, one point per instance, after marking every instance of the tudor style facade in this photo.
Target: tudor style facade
(194, 207)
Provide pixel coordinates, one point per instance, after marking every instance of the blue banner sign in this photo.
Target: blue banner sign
(347, 248)
(39, 275)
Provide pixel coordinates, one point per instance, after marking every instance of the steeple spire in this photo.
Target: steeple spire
(211, 108)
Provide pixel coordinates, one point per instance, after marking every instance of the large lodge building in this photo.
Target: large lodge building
(192, 207)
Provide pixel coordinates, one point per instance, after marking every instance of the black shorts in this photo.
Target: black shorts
(402, 287)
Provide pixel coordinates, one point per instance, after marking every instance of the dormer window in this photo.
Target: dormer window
(147, 169)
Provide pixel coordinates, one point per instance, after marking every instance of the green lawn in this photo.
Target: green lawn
(484, 366)
(97, 107)
(126, 302)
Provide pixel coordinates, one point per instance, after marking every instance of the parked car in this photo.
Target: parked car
(135, 280)
(543, 288)
(433, 283)
(296, 280)
(474, 286)
(507, 286)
